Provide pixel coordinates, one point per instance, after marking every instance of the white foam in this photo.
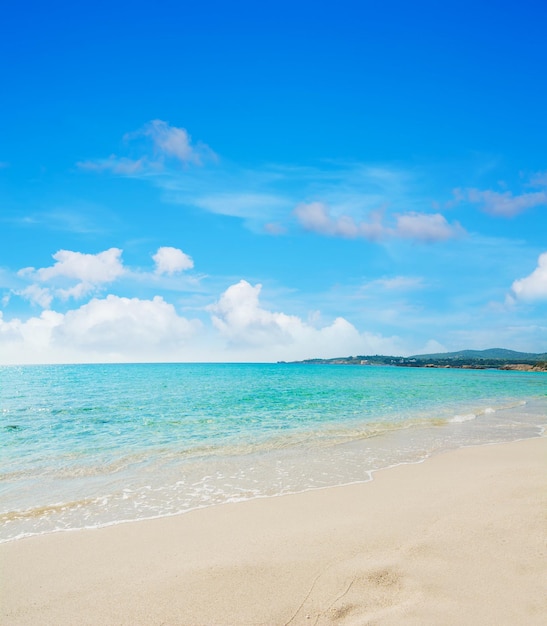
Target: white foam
(458, 419)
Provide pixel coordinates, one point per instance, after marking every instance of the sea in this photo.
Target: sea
(85, 446)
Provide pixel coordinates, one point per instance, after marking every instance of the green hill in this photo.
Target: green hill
(491, 353)
(498, 358)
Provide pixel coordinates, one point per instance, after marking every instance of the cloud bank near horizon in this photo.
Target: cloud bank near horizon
(121, 329)
(235, 326)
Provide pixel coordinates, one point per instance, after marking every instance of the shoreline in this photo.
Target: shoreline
(151, 441)
(345, 463)
(454, 539)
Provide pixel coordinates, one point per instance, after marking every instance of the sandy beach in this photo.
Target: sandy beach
(457, 539)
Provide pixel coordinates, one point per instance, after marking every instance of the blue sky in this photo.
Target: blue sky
(241, 182)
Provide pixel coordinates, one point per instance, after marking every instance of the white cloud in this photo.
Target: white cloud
(256, 332)
(29, 341)
(423, 227)
(171, 260)
(238, 316)
(121, 329)
(90, 270)
(534, 286)
(426, 227)
(118, 329)
(103, 267)
(125, 325)
(109, 329)
(37, 295)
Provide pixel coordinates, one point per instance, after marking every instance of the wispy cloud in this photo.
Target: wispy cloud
(539, 179)
(160, 145)
(506, 203)
(374, 202)
(83, 218)
(116, 165)
(244, 205)
(171, 141)
(358, 194)
(398, 283)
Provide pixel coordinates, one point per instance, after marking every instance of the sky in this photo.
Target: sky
(249, 181)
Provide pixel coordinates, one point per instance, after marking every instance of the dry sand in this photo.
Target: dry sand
(459, 539)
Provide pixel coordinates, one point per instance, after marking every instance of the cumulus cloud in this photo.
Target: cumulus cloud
(120, 329)
(103, 267)
(90, 270)
(238, 316)
(534, 286)
(29, 341)
(251, 329)
(171, 260)
(75, 275)
(125, 324)
(109, 329)
(423, 227)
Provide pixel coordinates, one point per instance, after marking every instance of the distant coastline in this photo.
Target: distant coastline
(493, 358)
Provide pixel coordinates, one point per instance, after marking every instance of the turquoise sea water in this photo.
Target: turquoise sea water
(90, 445)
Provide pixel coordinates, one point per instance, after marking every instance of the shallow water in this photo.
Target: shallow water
(89, 445)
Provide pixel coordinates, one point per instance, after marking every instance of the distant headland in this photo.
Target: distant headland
(493, 358)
